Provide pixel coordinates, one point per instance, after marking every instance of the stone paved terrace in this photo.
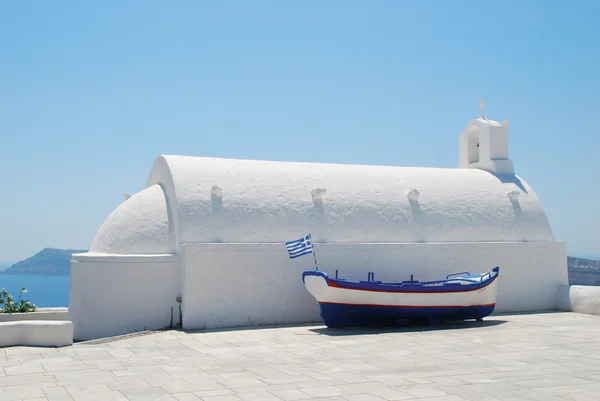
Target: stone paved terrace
(549, 356)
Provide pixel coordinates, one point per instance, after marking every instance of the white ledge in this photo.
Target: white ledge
(123, 258)
(36, 333)
(39, 314)
(579, 298)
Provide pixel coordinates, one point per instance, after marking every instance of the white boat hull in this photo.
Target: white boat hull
(341, 306)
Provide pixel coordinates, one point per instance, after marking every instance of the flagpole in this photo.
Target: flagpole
(313, 252)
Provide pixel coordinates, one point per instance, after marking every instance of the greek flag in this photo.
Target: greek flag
(299, 247)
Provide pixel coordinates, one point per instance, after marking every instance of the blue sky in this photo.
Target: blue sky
(92, 92)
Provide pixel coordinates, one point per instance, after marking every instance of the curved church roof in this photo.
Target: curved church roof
(140, 225)
(211, 200)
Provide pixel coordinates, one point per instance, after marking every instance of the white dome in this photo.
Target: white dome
(140, 225)
(264, 201)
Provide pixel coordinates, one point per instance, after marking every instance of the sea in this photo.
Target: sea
(43, 290)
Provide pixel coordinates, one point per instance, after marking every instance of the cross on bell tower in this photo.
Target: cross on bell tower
(481, 106)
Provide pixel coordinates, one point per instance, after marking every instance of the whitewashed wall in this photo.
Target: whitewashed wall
(114, 295)
(227, 285)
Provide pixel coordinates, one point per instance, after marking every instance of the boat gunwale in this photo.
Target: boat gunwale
(417, 287)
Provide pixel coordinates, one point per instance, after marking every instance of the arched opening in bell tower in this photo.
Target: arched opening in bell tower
(473, 146)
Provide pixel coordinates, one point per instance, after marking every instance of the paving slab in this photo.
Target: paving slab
(541, 356)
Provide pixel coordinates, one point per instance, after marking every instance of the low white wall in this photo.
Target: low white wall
(227, 285)
(36, 333)
(580, 299)
(39, 314)
(113, 295)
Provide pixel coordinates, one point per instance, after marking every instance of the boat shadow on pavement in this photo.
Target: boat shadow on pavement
(413, 326)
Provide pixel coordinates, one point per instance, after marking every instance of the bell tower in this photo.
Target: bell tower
(483, 144)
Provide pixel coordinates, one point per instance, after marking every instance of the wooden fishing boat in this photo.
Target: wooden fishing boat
(344, 303)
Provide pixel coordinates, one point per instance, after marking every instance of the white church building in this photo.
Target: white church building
(203, 244)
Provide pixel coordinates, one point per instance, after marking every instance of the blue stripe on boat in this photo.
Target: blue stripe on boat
(349, 315)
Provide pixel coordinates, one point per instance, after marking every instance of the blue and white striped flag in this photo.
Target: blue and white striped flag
(300, 247)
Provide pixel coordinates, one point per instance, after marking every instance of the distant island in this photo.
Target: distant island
(54, 261)
(583, 271)
(47, 261)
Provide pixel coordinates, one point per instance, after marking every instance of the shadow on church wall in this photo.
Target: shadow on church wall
(510, 179)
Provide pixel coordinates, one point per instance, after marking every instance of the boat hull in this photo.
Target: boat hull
(344, 307)
(345, 315)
